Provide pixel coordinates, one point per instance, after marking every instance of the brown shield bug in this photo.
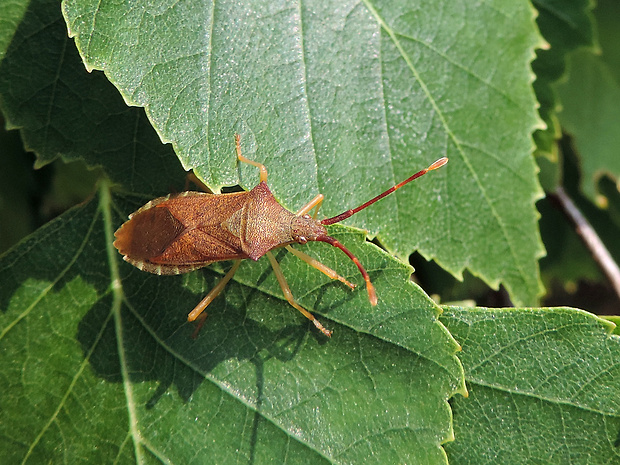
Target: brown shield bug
(183, 232)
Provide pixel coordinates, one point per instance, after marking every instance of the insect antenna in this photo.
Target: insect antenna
(344, 215)
(372, 295)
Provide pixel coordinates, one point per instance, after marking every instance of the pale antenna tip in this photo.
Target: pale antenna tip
(372, 295)
(438, 164)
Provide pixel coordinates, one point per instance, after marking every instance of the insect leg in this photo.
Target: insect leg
(261, 167)
(317, 201)
(289, 295)
(213, 293)
(319, 266)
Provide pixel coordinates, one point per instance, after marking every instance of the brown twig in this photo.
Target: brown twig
(590, 238)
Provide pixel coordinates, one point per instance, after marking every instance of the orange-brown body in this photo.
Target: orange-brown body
(183, 232)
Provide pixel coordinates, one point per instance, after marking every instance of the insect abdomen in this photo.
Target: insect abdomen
(180, 233)
(148, 234)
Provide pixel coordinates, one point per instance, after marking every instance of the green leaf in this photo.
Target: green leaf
(565, 26)
(64, 111)
(605, 13)
(100, 357)
(544, 387)
(591, 110)
(332, 97)
(11, 14)
(615, 320)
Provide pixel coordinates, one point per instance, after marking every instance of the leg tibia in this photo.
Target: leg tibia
(213, 293)
(289, 295)
(319, 266)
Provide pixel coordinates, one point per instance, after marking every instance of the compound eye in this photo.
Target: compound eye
(302, 239)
